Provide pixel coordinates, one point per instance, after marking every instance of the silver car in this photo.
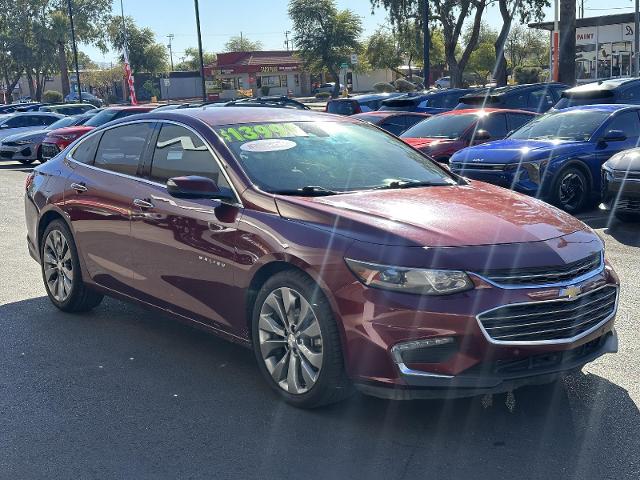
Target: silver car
(25, 147)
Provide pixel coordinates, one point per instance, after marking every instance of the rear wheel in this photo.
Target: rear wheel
(296, 342)
(571, 190)
(61, 271)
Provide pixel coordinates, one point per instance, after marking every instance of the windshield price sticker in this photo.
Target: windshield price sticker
(245, 133)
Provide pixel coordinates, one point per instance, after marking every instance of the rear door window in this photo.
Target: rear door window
(540, 100)
(516, 120)
(395, 124)
(85, 152)
(630, 95)
(626, 122)
(495, 124)
(121, 148)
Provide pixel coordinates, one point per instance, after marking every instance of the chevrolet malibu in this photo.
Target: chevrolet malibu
(342, 256)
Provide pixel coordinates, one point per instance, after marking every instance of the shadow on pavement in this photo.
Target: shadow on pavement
(18, 167)
(124, 392)
(627, 233)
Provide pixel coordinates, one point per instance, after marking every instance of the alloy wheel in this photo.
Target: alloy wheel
(290, 340)
(572, 190)
(58, 265)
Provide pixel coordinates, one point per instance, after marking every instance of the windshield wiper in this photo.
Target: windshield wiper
(411, 184)
(307, 191)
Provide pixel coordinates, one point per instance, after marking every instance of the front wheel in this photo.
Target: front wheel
(571, 190)
(61, 271)
(297, 343)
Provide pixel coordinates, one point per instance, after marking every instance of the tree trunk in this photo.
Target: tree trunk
(500, 72)
(336, 86)
(64, 71)
(454, 72)
(32, 90)
(567, 60)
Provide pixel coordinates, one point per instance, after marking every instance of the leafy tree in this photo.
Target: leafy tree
(191, 60)
(239, 43)
(482, 62)
(11, 68)
(527, 47)
(451, 15)
(52, 96)
(145, 54)
(324, 35)
(525, 11)
(102, 80)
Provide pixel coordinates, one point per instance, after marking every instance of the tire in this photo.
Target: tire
(312, 351)
(571, 190)
(627, 217)
(61, 272)
(27, 161)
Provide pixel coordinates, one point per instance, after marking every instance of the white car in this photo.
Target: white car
(23, 122)
(443, 82)
(328, 87)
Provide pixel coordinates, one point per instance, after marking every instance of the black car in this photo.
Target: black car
(432, 101)
(358, 103)
(615, 90)
(535, 97)
(621, 185)
(272, 101)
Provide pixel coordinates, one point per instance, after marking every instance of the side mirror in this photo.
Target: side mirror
(193, 186)
(481, 136)
(614, 136)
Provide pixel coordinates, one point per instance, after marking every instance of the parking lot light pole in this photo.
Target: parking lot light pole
(75, 50)
(204, 90)
(427, 41)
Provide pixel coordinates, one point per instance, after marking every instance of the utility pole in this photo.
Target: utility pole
(555, 42)
(204, 88)
(427, 43)
(75, 50)
(286, 36)
(567, 60)
(170, 37)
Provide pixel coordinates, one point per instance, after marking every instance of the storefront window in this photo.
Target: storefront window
(604, 60)
(229, 83)
(296, 78)
(271, 81)
(283, 81)
(586, 61)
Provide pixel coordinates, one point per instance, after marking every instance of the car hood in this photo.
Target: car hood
(465, 215)
(32, 136)
(628, 160)
(513, 151)
(77, 130)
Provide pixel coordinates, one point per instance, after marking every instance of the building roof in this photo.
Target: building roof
(257, 61)
(590, 21)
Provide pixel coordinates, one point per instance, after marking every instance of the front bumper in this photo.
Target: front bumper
(495, 377)
(501, 175)
(19, 152)
(620, 194)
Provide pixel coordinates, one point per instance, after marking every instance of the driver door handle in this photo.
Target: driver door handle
(143, 204)
(79, 187)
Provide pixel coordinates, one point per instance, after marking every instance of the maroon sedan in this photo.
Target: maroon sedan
(443, 135)
(339, 254)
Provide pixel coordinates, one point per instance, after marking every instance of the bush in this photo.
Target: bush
(323, 95)
(403, 85)
(265, 90)
(383, 87)
(52, 96)
(527, 74)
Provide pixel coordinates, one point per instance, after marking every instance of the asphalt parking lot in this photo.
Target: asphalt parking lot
(126, 393)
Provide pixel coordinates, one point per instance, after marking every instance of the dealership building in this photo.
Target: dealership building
(604, 46)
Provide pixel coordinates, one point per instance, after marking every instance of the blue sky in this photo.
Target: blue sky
(260, 20)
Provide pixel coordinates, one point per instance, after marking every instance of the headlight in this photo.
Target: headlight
(533, 170)
(410, 280)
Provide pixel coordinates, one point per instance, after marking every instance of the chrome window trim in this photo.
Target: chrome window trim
(564, 283)
(550, 342)
(221, 166)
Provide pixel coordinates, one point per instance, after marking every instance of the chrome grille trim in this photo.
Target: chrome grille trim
(598, 320)
(491, 278)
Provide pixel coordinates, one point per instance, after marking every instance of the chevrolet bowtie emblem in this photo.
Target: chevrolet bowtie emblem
(570, 292)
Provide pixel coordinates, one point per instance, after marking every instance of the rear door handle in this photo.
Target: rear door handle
(143, 204)
(79, 187)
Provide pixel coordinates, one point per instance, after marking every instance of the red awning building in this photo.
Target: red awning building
(262, 72)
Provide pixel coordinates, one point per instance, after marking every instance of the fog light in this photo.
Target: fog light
(398, 349)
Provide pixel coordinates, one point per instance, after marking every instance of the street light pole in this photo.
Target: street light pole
(75, 50)
(204, 89)
(170, 37)
(427, 42)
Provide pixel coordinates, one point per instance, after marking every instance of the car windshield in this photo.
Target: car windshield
(101, 118)
(441, 126)
(563, 125)
(327, 157)
(63, 122)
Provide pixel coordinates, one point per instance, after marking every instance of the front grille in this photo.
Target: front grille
(461, 167)
(6, 154)
(49, 150)
(624, 175)
(628, 204)
(560, 319)
(545, 275)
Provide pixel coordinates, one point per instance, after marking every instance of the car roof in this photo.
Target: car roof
(610, 84)
(36, 112)
(62, 105)
(214, 116)
(132, 107)
(479, 111)
(497, 91)
(391, 113)
(605, 107)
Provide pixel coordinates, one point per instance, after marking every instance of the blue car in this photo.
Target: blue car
(433, 102)
(615, 90)
(556, 157)
(534, 97)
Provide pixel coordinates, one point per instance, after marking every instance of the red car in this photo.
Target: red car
(443, 135)
(392, 122)
(59, 139)
(291, 232)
